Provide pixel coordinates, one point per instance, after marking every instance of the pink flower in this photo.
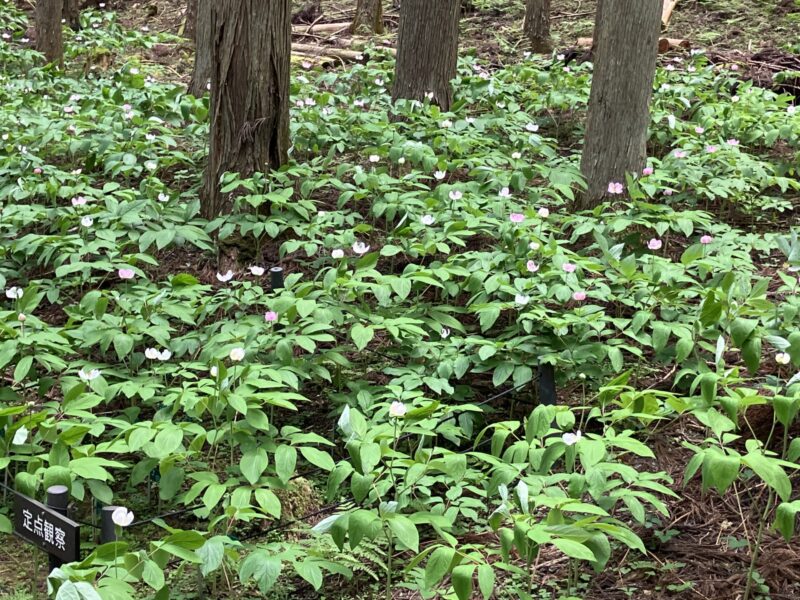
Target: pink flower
(126, 274)
(679, 154)
(733, 142)
(647, 171)
(569, 267)
(270, 316)
(579, 296)
(668, 192)
(614, 188)
(711, 149)
(79, 201)
(37, 171)
(532, 266)
(706, 239)
(517, 217)
(654, 244)
(699, 130)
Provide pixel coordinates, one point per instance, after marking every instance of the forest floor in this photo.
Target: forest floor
(711, 528)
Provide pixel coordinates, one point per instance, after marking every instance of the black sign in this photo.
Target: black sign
(47, 529)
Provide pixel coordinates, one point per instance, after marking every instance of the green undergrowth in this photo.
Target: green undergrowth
(431, 261)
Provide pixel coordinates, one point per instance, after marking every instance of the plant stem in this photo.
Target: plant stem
(757, 547)
(389, 565)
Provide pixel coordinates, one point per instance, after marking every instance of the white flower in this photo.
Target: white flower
(310, 102)
(122, 516)
(14, 293)
(470, 120)
(791, 110)
(782, 358)
(532, 127)
(543, 212)
(150, 137)
(516, 155)
(360, 248)
(87, 221)
(337, 253)
(440, 175)
(401, 160)
(90, 376)
(505, 193)
(455, 195)
(570, 439)
(429, 95)
(447, 124)
(256, 270)
(427, 220)
(20, 435)
(162, 197)
(397, 409)
(445, 333)
(21, 317)
(378, 81)
(214, 371)
(226, 277)
(522, 299)
(373, 158)
(164, 355)
(237, 354)
(151, 353)
(150, 165)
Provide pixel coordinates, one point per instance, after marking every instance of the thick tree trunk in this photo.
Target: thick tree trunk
(191, 20)
(369, 14)
(202, 47)
(49, 40)
(72, 13)
(537, 25)
(251, 48)
(427, 50)
(626, 46)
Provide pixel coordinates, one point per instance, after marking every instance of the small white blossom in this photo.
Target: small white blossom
(360, 248)
(397, 409)
(226, 277)
(237, 354)
(337, 253)
(122, 517)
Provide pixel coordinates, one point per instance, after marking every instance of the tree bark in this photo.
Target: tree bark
(72, 13)
(537, 25)
(49, 39)
(251, 48)
(369, 13)
(626, 46)
(202, 47)
(191, 20)
(427, 50)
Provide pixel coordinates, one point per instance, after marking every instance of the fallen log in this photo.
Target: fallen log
(664, 44)
(312, 50)
(666, 13)
(320, 28)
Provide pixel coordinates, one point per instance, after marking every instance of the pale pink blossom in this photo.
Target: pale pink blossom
(517, 217)
(732, 142)
(647, 171)
(579, 296)
(270, 316)
(615, 188)
(706, 239)
(711, 149)
(126, 273)
(654, 244)
(568, 267)
(699, 129)
(679, 154)
(532, 266)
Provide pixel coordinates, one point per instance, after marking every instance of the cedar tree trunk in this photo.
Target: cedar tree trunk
(537, 25)
(202, 46)
(49, 40)
(72, 13)
(427, 50)
(251, 49)
(626, 46)
(369, 13)
(191, 20)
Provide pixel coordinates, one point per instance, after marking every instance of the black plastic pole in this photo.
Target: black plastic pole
(58, 500)
(276, 278)
(547, 384)
(108, 531)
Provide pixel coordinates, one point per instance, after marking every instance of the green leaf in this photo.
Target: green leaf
(438, 565)
(486, 580)
(318, 458)
(462, 581)
(285, 462)
(741, 329)
(152, 575)
(211, 554)
(405, 531)
(123, 344)
(268, 502)
(573, 549)
(719, 470)
(261, 567)
(770, 472)
(362, 335)
(253, 464)
(785, 517)
(23, 367)
(359, 524)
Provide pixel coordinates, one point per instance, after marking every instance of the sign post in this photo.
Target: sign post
(48, 527)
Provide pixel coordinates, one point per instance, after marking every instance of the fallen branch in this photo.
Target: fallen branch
(312, 50)
(669, 6)
(664, 44)
(320, 28)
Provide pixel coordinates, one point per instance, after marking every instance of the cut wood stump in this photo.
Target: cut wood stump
(664, 44)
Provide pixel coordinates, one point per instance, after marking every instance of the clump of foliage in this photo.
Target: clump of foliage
(430, 260)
